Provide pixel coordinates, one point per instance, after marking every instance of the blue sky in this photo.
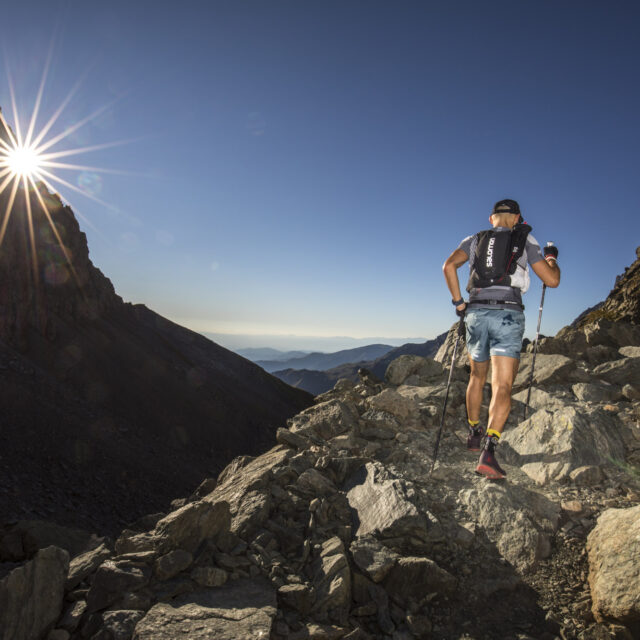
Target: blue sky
(305, 167)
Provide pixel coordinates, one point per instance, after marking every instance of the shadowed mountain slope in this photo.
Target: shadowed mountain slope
(108, 409)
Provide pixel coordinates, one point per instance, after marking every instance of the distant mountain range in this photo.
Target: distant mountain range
(317, 382)
(324, 361)
(256, 354)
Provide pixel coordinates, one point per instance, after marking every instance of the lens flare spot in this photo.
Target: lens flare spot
(215, 266)
(90, 183)
(56, 274)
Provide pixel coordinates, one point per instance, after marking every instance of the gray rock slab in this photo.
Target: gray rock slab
(519, 521)
(332, 577)
(86, 563)
(326, 419)
(412, 575)
(551, 444)
(240, 609)
(31, 595)
(172, 563)
(619, 372)
(187, 527)
(372, 557)
(407, 365)
(613, 548)
(382, 507)
(120, 624)
(112, 579)
(549, 369)
(596, 392)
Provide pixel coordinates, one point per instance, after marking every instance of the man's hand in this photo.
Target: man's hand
(551, 252)
(461, 310)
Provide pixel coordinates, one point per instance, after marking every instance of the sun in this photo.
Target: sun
(22, 161)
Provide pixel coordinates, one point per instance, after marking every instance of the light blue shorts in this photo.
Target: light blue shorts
(496, 332)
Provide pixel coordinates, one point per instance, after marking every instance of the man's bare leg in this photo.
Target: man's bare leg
(475, 387)
(503, 373)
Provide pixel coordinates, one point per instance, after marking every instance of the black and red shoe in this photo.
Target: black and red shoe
(488, 465)
(474, 439)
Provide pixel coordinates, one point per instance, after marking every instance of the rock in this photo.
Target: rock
(132, 542)
(113, 578)
(172, 563)
(551, 444)
(620, 372)
(239, 609)
(383, 508)
(541, 399)
(549, 369)
(389, 400)
(72, 616)
(613, 548)
(120, 624)
(332, 578)
(586, 476)
(631, 392)
(327, 419)
(291, 439)
(379, 424)
(58, 634)
(298, 597)
(204, 489)
(314, 483)
(407, 365)
(414, 575)
(314, 631)
(31, 595)
(630, 351)
(187, 527)
(518, 520)
(85, 564)
(209, 576)
(596, 392)
(372, 557)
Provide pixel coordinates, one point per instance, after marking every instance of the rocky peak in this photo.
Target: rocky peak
(623, 303)
(46, 275)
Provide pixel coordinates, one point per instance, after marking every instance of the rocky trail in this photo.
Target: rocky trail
(339, 531)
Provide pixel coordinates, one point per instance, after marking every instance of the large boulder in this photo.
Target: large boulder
(382, 507)
(85, 564)
(409, 365)
(239, 609)
(613, 548)
(417, 575)
(520, 522)
(112, 579)
(549, 369)
(31, 595)
(327, 419)
(404, 408)
(620, 372)
(187, 527)
(551, 444)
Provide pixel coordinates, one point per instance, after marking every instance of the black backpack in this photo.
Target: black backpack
(496, 256)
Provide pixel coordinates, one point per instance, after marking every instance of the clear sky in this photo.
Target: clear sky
(306, 167)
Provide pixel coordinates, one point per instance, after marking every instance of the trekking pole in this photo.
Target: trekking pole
(535, 345)
(446, 396)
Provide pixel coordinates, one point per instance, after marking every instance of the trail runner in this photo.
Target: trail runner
(494, 317)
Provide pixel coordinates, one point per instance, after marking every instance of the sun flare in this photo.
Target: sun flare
(21, 161)
(29, 162)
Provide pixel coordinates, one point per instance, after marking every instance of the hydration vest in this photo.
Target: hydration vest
(496, 256)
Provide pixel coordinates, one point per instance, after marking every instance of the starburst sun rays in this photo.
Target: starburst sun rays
(29, 159)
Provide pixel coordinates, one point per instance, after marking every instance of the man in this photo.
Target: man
(494, 317)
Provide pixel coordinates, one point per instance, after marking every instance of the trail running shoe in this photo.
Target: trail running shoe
(488, 465)
(474, 439)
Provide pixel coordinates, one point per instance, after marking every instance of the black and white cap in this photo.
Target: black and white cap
(506, 206)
